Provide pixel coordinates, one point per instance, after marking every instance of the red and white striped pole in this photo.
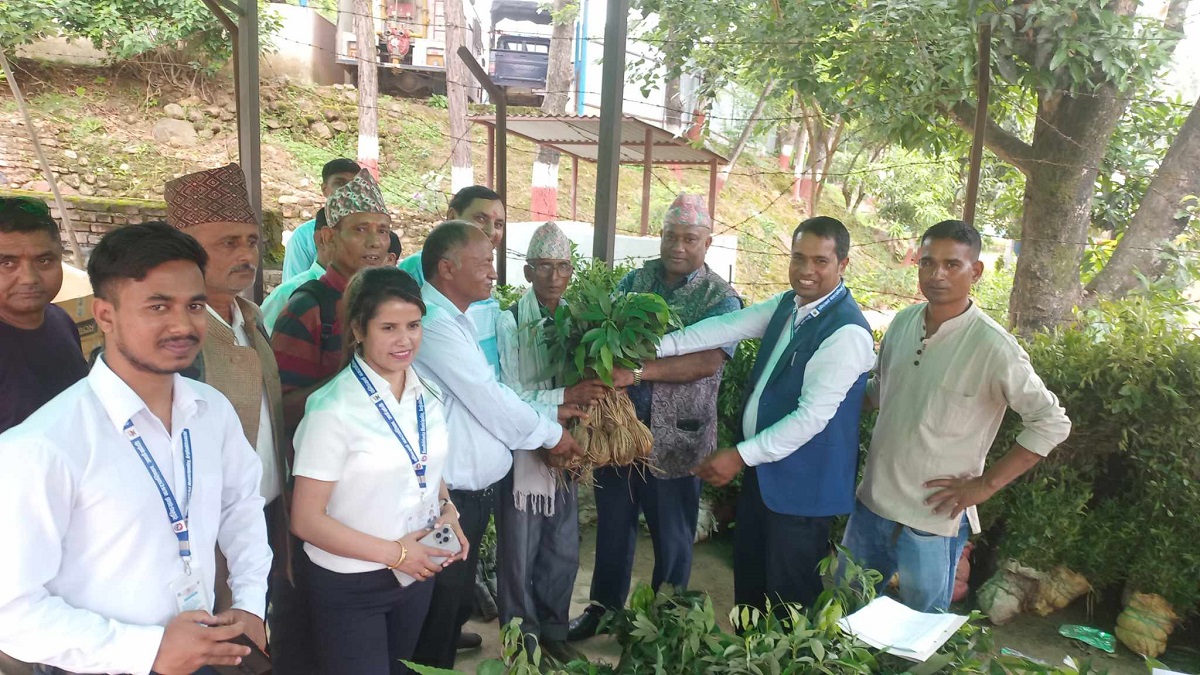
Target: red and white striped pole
(544, 199)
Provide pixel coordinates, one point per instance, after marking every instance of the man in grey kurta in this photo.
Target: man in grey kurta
(537, 515)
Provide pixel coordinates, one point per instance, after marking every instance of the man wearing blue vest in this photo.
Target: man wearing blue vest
(800, 422)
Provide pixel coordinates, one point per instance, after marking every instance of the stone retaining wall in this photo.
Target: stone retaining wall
(92, 217)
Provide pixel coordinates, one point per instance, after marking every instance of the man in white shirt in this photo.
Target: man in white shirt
(486, 419)
(116, 493)
(946, 375)
(800, 422)
(236, 358)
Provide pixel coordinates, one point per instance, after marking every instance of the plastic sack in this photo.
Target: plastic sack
(962, 573)
(1145, 623)
(1059, 588)
(1004, 596)
(1090, 636)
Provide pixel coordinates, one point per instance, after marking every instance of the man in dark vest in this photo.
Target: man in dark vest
(677, 399)
(800, 422)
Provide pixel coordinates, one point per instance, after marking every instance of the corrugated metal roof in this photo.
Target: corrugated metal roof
(580, 136)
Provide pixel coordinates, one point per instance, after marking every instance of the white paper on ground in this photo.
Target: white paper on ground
(888, 625)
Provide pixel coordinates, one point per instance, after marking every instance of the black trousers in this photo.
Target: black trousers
(365, 623)
(775, 556)
(290, 619)
(453, 587)
(671, 506)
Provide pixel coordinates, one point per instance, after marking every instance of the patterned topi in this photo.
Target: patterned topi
(211, 196)
(689, 210)
(361, 195)
(549, 243)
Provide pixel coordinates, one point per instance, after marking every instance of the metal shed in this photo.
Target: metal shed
(641, 143)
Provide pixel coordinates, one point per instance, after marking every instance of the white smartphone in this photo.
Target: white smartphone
(440, 538)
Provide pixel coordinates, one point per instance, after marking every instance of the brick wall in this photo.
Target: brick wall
(92, 217)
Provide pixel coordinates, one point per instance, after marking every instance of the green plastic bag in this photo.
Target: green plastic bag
(1092, 636)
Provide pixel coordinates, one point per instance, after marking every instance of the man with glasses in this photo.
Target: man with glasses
(537, 515)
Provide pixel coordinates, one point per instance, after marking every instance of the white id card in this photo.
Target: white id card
(189, 592)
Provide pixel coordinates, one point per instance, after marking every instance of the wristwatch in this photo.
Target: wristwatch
(637, 376)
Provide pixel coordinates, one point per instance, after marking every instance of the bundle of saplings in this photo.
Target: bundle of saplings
(595, 332)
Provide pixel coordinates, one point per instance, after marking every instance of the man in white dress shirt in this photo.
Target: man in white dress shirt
(116, 493)
(486, 419)
(800, 422)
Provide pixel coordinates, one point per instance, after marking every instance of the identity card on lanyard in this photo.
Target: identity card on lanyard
(419, 463)
(189, 589)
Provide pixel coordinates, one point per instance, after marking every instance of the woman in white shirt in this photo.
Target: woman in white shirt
(370, 453)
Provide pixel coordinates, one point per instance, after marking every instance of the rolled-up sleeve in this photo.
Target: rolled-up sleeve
(243, 534)
(37, 489)
(1044, 421)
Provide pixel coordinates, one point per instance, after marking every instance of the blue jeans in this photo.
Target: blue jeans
(926, 562)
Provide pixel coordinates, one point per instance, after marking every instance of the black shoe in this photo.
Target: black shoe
(469, 641)
(585, 625)
(561, 651)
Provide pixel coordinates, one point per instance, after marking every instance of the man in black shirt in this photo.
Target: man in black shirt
(39, 344)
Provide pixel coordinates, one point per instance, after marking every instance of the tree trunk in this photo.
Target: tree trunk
(828, 150)
(558, 83)
(1156, 218)
(368, 87)
(800, 164)
(738, 147)
(457, 79)
(1069, 141)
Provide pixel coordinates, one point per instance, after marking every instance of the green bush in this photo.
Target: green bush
(1118, 501)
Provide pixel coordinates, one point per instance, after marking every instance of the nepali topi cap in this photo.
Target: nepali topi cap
(211, 196)
(549, 243)
(689, 210)
(361, 195)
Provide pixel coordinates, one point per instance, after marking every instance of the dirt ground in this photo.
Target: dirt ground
(712, 571)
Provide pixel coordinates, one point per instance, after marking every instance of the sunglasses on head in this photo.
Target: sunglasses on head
(35, 207)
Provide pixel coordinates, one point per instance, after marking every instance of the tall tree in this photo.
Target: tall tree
(458, 78)
(368, 86)
(558, 87)
(1067, 72)
(740, 146)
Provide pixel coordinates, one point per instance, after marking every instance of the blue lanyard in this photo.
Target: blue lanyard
(833, 297)
(177, 516)
(419, 463)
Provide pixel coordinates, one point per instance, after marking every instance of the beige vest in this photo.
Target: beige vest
(241, 374)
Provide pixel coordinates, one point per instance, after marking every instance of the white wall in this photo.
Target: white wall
(722, 255)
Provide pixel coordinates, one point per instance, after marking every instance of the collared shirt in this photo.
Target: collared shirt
(89, 553)
(344, 439)
(941, 402)
(274, 303)
(301, 250)
(482, 313)
(304, 358)
(508, 339)
(642, 396)
(833, 369)
(264, 445)
(486, 418)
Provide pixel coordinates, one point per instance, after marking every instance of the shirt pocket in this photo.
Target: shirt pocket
(950, 420)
